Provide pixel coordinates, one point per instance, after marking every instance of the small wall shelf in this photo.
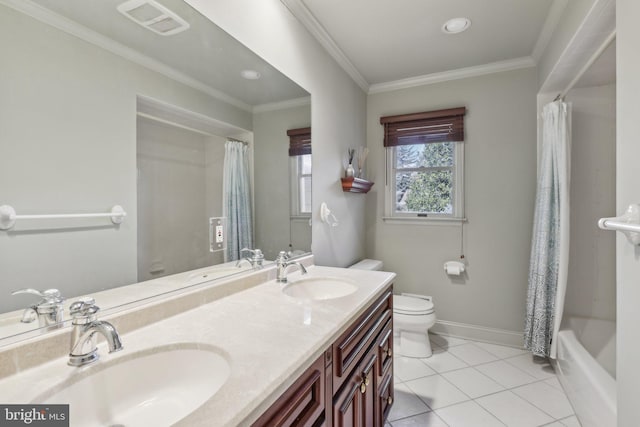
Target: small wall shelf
(356, 185)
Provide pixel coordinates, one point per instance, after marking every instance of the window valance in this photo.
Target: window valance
(420, 128)
(299, 141)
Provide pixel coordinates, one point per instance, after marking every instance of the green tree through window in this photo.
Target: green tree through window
(424, 178)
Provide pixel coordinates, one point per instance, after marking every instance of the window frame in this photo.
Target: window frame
(295, 175)
(457, 213)
(446, 125)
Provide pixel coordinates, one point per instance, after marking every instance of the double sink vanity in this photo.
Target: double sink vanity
(236, 351)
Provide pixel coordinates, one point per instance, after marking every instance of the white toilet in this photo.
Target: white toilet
(413, 315)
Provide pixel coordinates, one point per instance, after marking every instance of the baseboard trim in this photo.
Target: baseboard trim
(478, 333)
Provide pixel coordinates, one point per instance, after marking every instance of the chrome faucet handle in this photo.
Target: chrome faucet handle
(282, 256)
(49, 295)
(84, 309)
(28, 291)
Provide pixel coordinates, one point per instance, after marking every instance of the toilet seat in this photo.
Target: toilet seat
(412, 306)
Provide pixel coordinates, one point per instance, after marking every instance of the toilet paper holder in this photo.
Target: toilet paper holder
(454, 268)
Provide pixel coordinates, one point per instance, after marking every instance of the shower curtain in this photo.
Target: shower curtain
(237, 199)
(549, 260)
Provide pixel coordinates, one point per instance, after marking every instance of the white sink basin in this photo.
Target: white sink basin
(319, 288)
(148, 389)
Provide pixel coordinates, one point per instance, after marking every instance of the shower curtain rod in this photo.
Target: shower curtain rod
(174, 124)
(181, 126)
(238, 140)
(588, 65)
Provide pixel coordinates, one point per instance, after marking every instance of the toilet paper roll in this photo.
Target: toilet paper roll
(454, 268)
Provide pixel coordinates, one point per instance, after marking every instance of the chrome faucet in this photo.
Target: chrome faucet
(48, 311)
(255, 260)
(282, 264)
(83, 334)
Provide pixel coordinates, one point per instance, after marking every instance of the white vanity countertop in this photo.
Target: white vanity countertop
(268, 338)
(113, 298)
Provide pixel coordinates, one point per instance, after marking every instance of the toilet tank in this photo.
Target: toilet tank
(368, 264)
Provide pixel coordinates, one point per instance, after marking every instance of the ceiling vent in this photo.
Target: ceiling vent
(153, 16)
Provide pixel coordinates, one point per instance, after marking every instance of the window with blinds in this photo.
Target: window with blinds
(299, 141)
(300, 171)
(425, 164)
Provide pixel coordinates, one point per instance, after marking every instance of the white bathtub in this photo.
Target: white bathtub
(586, 368)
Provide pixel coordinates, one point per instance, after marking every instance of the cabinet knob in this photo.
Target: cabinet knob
(363, 388)
(389, 400)
(366, 380)
(389, 352)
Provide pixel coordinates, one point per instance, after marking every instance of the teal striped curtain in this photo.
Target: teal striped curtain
(237, 199)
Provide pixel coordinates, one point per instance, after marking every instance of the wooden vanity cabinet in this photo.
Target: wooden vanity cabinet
(351, 384)
(303, 404)
(354, 405)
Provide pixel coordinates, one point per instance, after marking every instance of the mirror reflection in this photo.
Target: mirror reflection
(138, 108)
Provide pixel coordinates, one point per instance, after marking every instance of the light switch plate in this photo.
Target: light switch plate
(217, 234)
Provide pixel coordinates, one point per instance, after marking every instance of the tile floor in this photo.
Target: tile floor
(473, 384)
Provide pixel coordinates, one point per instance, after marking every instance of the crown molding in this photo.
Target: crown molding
(304, 15)
(71, 27)
(598, 24)
(461, 73)
(282, 105)
(549, 26)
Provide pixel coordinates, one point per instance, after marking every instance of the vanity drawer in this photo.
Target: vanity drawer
(351, 346)
(303, 404)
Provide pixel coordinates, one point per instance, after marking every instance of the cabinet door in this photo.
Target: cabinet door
(347, 407)
(303, 404)
(355, 406)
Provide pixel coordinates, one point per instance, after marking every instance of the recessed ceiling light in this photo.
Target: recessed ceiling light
(250, 74)
(456, 25)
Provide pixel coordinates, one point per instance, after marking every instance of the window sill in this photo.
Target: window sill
(423, 221)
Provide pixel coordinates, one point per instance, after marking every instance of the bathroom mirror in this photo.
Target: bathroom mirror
(130, 103)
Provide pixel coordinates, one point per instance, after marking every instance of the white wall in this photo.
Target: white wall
(179, 188)
(500, 136)
(68, 144)
(271, 178)
(591, 290)
(338, 112)
(628, 191)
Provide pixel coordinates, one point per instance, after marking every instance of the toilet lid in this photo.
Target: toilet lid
(411, 305)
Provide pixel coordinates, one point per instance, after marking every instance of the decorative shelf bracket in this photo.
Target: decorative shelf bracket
(356, 185)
